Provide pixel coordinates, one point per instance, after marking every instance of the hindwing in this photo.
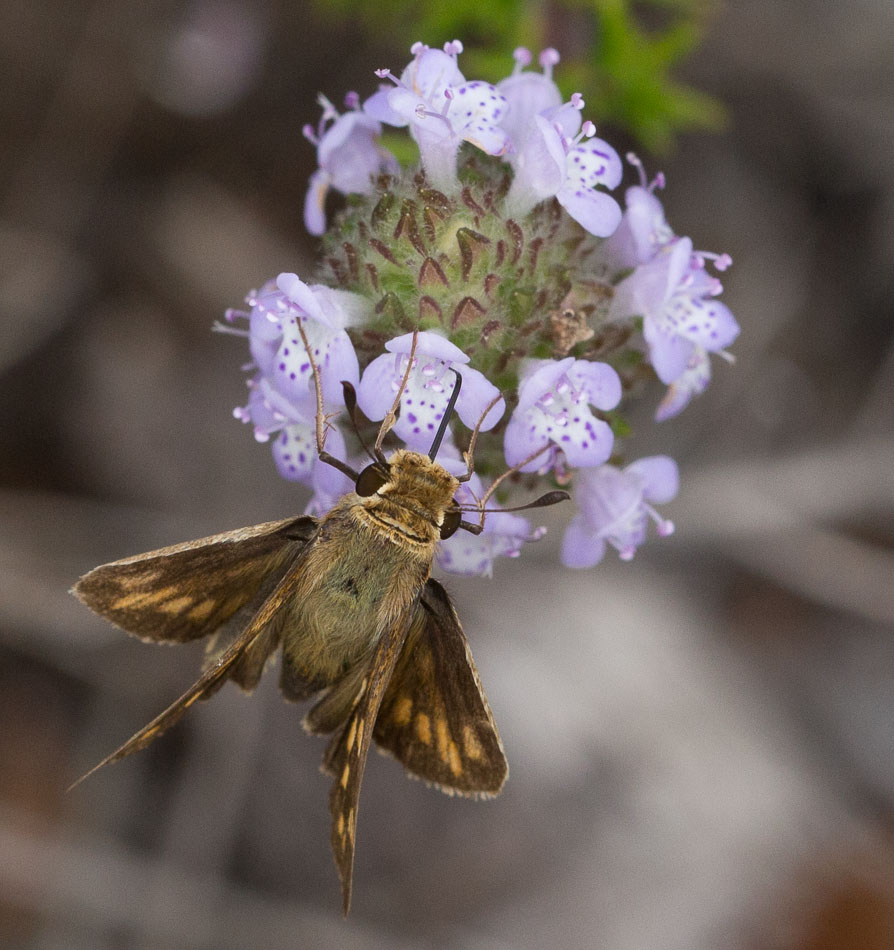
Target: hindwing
(434, 717)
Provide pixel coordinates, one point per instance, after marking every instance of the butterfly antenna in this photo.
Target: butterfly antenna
(391, 415)
(448, 412)
(325, 456)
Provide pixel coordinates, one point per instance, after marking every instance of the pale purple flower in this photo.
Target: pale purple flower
(573, 170)
(428, 388)
(277, 348)
(294, 446)
(614, 508)
(529, 94)
(675, 296)
(643, 230)
(349, 156)
(554, 399)
(442, 110)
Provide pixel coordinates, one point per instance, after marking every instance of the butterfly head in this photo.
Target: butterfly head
(414, 491)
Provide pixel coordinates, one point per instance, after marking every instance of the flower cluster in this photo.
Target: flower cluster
(502, 255)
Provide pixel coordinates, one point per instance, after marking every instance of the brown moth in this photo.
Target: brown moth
(361, 624)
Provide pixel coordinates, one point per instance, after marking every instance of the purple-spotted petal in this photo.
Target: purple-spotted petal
(706, 322)
(599, 381)
(333, 353)
(375, 394)
(523, 438)
(475, 113)
(592, 163)
(422, 406)
(294, 451)
(538, 378)
(581, 545)
(586, 443)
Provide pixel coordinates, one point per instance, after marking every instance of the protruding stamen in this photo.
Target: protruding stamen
(418, 47)
(635, 161)
(329, 110)
(522, 57)
(664, 526)
(548, 58)
(352, 100)
(577, 101)
(657, 182)
(453, 48)
(423, 113)
(218, 327)
(308, 132)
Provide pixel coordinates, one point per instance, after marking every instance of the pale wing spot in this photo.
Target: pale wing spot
(175, 606)
(423, 728)
(455, 762)
(142, 598)
(352, 732)
(341, 825)
(203, 609)
(345, 775)
(403, 710)
(443, 740)
(351, 825)
(361, 725)
(471, 744)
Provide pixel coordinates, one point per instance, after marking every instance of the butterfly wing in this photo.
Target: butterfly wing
(434, 717)
(345, 757)
(186, 591)
(245, 645)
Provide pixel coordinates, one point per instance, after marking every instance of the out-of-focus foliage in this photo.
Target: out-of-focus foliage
(619, 54)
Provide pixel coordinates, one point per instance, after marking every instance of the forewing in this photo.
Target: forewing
(225, 665)
(434, 716)
(345, 757)
(189, 590)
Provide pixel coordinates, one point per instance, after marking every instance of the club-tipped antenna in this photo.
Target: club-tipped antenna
(448, 412)
(544, 501)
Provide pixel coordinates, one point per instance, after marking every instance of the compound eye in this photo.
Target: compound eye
(371, 479)
(450, 524)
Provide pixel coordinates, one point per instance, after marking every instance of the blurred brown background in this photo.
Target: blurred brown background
(701, 741)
